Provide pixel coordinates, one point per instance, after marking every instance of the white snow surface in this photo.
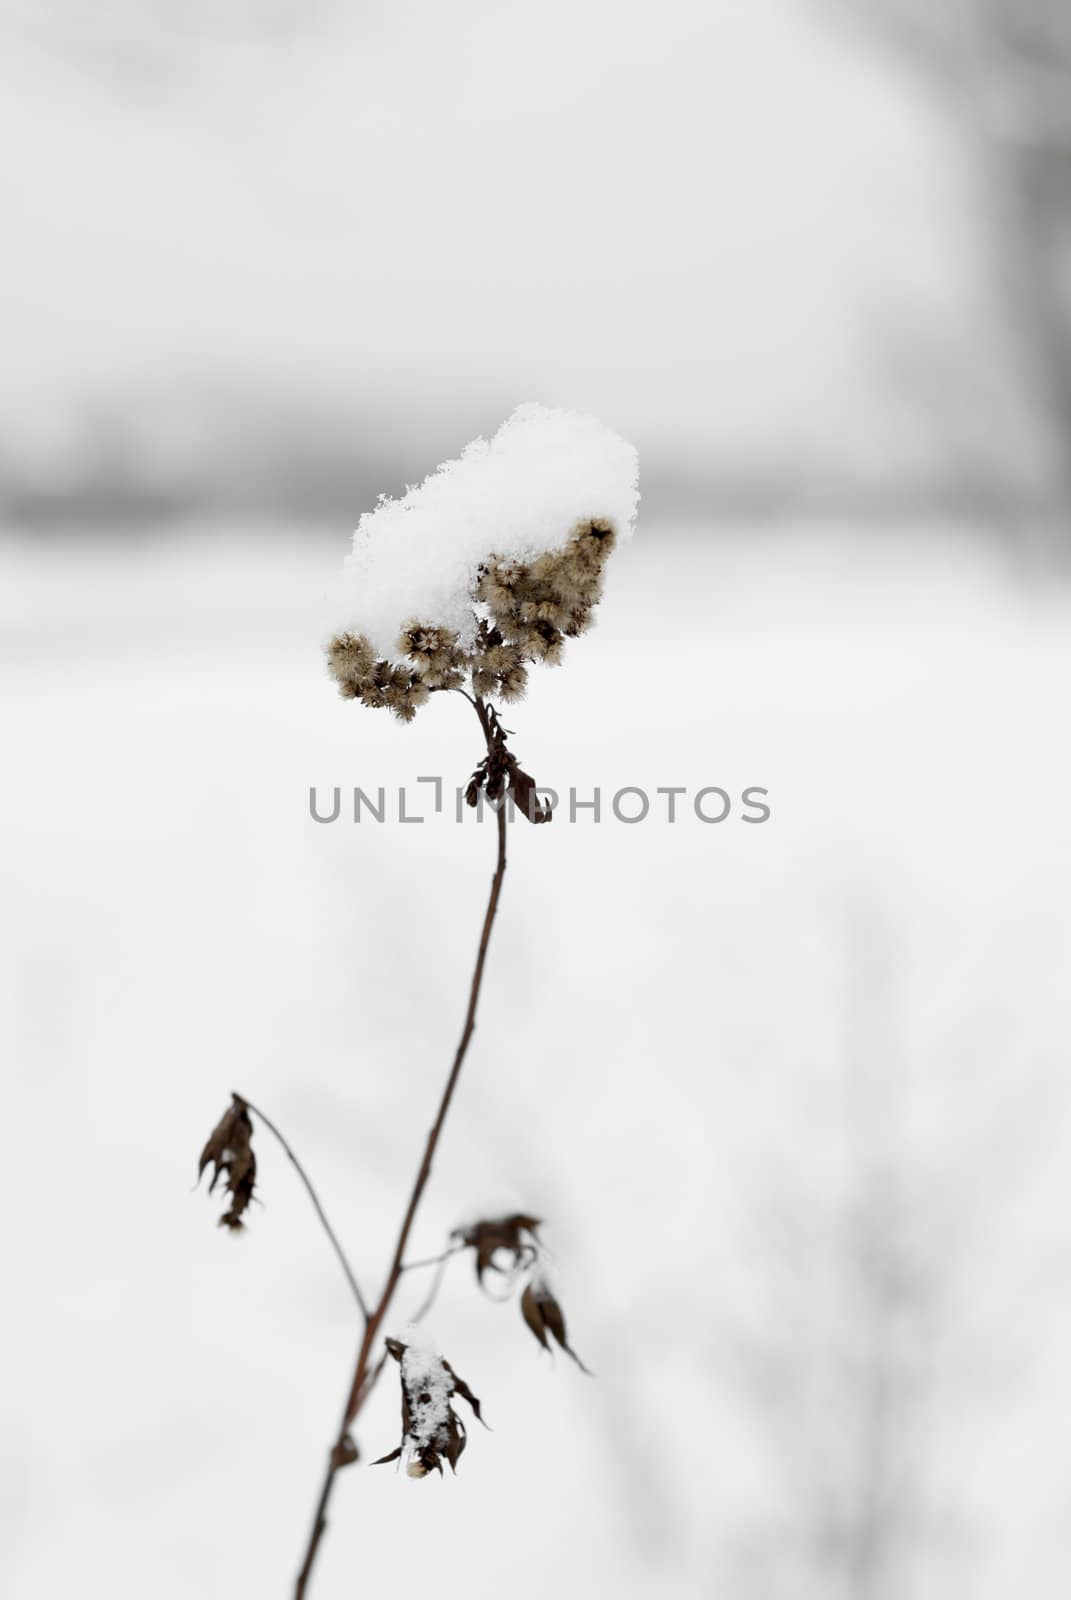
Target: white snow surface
(516, 496)
(892, 945)
(421, 1351)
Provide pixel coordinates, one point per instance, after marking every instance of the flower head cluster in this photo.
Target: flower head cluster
(528, 609)
(431, 1429)
(486, 568)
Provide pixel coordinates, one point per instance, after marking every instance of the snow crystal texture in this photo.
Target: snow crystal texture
(523, 493)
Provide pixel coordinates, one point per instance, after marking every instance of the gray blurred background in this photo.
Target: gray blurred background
(792, 1097)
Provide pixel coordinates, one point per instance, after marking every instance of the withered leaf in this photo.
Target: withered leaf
(532, 1313)
(500, 770)
(462, 1388)
(524, 791)
(507, 1234)
(229, 1151)
(544, 1315)
(431, 1429)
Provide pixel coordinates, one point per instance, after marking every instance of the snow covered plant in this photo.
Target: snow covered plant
(459, 587)
(431, 1428)
(489, 566)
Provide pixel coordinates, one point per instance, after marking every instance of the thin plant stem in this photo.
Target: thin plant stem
(436, 1284)
(433, 1261)
(320, 1212)
(365, 1374)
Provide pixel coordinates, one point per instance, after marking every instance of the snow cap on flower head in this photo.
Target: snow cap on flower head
(487, 566)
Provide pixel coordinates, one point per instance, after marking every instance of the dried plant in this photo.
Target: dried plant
(229, 1151)
(527, 610)
(515, 1236)
(544, 1315)
(431, 1428)
(520, 596)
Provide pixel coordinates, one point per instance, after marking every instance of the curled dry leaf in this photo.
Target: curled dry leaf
(431, 1429)
(229, 1151)
(544, 1315)
(500, 770)
(514, 1235)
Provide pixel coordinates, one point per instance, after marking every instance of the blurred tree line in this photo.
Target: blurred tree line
(1001, 69)
(218, 440)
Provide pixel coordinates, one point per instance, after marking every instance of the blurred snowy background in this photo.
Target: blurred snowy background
(793, 1097)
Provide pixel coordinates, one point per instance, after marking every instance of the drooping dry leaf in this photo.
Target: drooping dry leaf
(544, 1315)
(229, 1151)
(500, 770)
(431, 1429)
(507, 1234)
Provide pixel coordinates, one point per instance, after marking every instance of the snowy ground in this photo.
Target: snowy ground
(698, 1045)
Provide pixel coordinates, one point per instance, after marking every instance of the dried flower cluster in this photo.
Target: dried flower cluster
(516, 1237)
(230, 1152)
(431, 1429)
(525, 611)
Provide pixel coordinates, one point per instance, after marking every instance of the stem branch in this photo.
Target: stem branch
(314, 1197)
(365, 1374)
(436, 1283)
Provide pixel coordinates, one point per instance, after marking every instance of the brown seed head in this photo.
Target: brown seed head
(529, 609)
